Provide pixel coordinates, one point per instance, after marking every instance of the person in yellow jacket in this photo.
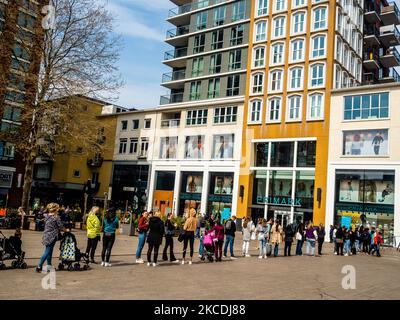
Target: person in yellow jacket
(93, 227)
(189, 227)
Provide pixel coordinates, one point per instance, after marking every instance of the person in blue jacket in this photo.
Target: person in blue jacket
(111, 224)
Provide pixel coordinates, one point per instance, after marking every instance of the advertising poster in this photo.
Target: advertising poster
(349, 190)
(365, 142)
(223, 146)
(368, 191)
(194, 184)
(194, 147)
(168, 147)
(223, 185)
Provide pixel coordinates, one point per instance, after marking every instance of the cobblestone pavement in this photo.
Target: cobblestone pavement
(245, 278)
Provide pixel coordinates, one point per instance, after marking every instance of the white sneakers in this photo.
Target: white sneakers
(148, 264)
(190, 262)
(175, 261)
(154, 264)
(247, 256)
(183, 261)
(106, 264)
(260, 257)
(102, 263)
(233, 258)
(139, 261)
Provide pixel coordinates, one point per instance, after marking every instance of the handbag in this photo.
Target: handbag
(339, 240)
(261, 236)
(299, 236)
(181, 236)
(253, 236)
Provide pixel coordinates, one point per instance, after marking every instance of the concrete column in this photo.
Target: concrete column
(175, 204)
(204, 193)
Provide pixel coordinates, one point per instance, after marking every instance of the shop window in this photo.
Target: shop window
(282, 154)
(280, 186)
(220, 194)
(165, 180)
(191, 189)
(259, 187)
(194, 147)
(262, 154)
(306, 153)
(223, 146)
(366, 142)
(168, 147)
(304, 192)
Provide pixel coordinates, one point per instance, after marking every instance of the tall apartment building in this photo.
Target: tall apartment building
(381, 37)
(20, 34)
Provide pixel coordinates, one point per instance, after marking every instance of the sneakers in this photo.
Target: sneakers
(225, 256)
(265, 257)
(38, 270)
(148, 264)
(247, 256)
(154, 264)
(346, 255)
(260, 257)
(175, 261)
(183, 261)
(107, 264)
(233, 258)
(190, 262)
(139, 261)
(103, 264)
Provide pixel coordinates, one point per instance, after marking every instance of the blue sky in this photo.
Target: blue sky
(143, 27)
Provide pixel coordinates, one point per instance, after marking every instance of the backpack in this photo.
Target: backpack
(228, 225)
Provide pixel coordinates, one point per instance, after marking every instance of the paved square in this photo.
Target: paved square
(245, 278)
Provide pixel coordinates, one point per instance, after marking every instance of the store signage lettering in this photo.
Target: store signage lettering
(365, 208)
(220, 198)
(5, 178)
(280, 201)
(190, 196)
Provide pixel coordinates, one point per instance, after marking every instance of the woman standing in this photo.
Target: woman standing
(154, 238)
(262, 234)
(311, 238)
(143, 227)
(93, 232)
(321, 238)
(339, 241)
(276, 237)
(169, 239)
(246, 231)
(53, 226)
(300, 239)
(111, 223)
(189, 227)
(219, 235)
(289, 234)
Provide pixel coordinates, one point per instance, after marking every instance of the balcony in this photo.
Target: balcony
(171, 98)
(370, 61)
(173, 80)
(389, 36)
(371, 37)
(392, 76)
(371, 15)
(175, 37)
(95, 162)
(390, 14)
(176, 58)
(170, 123)
(391, 58)
(180, 15)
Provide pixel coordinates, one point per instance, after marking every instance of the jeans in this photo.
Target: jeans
(288, 248)
(358, 246)
(347, 246)
(169, 242)
(91, 247)
(142, 241)
(108, 242)
(263, 247)
(229, 241)
(245, 247)
(310, 247)
(47, 255)
(299, 246)
(201, 246)
(189, 237)
(376, 248)
(276, 249)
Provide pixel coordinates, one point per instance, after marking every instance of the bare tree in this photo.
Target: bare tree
(77, 57)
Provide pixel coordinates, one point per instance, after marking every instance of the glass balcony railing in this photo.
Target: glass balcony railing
(176, 32)
(173, 76)
(390, 29)
(171, 98)
(391, 8)
(392, 51)
(394, 74)
(170, 123)
(191, 7)
(174, 54)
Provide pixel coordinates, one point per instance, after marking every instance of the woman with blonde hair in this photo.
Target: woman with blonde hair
(189, 227)
(93, 232)
(276, 236)
(53, 226)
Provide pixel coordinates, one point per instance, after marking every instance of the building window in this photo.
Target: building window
(235, 60)
(201, 20)
(196, 117)
(239, 10)
(76, 173)
(122, 145)
(258, 83)
(296, 78)
(225, 114)
(144, 147)
(135, 124)
(293, 109)
(306, 154)
(319, 18)
(259, 57)
(368, 143)
(223, 146)
(262, 7)
(237, 35)
(133, 146)
(317, 75)
(275, 82)
(261, 31)
(195, 90)
(213, 88)
(255, 111)
(277, 55)
(298, 3)
(298, 25)
(215, 63)
(279, 27)
(217, 39)
(202, 4)
(194, 147)
(197, 67)
(219, 16)
(147, 123)
(233, 86)
(168, 147)
(367, 106)
(11, 113)
(199, 43)
(280, 5)
(318, 46)
(297, 50)
(124, 125)
(315, 106)
(274, 110)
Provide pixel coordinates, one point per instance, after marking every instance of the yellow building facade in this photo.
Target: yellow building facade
(292, 58)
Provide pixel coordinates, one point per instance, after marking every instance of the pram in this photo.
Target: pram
(209, 246)
(10, 249)
(70, 255)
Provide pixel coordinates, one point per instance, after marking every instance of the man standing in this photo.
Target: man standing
(376, 142)
(230, 229)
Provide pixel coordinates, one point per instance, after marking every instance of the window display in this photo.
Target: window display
(194, 147)
(282, 154)
(262, 154)
(168, 147)
(221, 190)
(365, 142)
(223, 146)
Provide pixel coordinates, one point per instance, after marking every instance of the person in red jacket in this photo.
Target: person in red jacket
(219, 235)
(378, 240)
(143, 227)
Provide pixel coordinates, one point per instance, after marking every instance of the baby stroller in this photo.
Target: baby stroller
(10, 249)
(208, 242)
(70, 255)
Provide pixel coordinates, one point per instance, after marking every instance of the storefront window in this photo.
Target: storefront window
(304, 193)
(168, 147)
(282, 154)
(191, 188)
(306, 153)
(259, 186)
(262, 154)
(366, 198)
(165, 180)
(280, 187)
(220, 194)
(194, 147)
(223, 146)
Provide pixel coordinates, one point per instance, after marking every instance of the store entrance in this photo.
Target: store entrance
(283, 217)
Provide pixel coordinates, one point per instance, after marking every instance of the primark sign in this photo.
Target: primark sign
(283, 201)
(6, 178)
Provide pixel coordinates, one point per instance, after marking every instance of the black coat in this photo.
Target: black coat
(156, 231)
